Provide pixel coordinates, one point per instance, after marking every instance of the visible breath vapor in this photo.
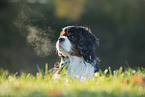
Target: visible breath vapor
(35, 37)
(40, 41)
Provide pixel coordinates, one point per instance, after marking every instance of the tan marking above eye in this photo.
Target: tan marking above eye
(62, 33)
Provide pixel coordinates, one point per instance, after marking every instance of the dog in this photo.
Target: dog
(76, 46)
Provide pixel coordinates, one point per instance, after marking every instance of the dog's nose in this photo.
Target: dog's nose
(61, 39)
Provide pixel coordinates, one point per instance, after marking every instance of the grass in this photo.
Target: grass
(127, 83)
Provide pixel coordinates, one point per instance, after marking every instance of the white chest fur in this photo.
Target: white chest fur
(79, 68)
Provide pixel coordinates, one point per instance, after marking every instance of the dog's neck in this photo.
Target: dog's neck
(78, 68)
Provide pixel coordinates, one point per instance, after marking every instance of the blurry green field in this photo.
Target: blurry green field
(127, 83)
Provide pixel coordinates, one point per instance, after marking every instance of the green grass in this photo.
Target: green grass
(127, 83)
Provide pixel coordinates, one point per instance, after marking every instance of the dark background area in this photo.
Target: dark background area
(119, 24)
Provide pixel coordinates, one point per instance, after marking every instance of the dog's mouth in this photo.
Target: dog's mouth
(62, 51)
(63, 55)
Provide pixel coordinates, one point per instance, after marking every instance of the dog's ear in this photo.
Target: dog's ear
(87, 44)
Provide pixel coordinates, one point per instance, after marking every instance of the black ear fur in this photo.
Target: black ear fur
(87, 43)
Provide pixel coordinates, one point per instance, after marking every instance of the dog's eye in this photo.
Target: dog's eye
(69, 33)
(71, 37)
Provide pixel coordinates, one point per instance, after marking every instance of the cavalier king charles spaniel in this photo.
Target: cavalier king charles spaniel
(76, 47)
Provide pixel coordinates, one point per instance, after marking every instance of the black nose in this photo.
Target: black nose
(61, 39)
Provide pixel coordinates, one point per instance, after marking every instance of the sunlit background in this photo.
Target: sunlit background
(29, 30)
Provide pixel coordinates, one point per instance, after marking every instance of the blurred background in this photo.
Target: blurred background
(29, 30)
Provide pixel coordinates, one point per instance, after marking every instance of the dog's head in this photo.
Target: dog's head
(77, 41)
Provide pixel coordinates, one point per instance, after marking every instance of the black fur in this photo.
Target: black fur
(85, 41)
